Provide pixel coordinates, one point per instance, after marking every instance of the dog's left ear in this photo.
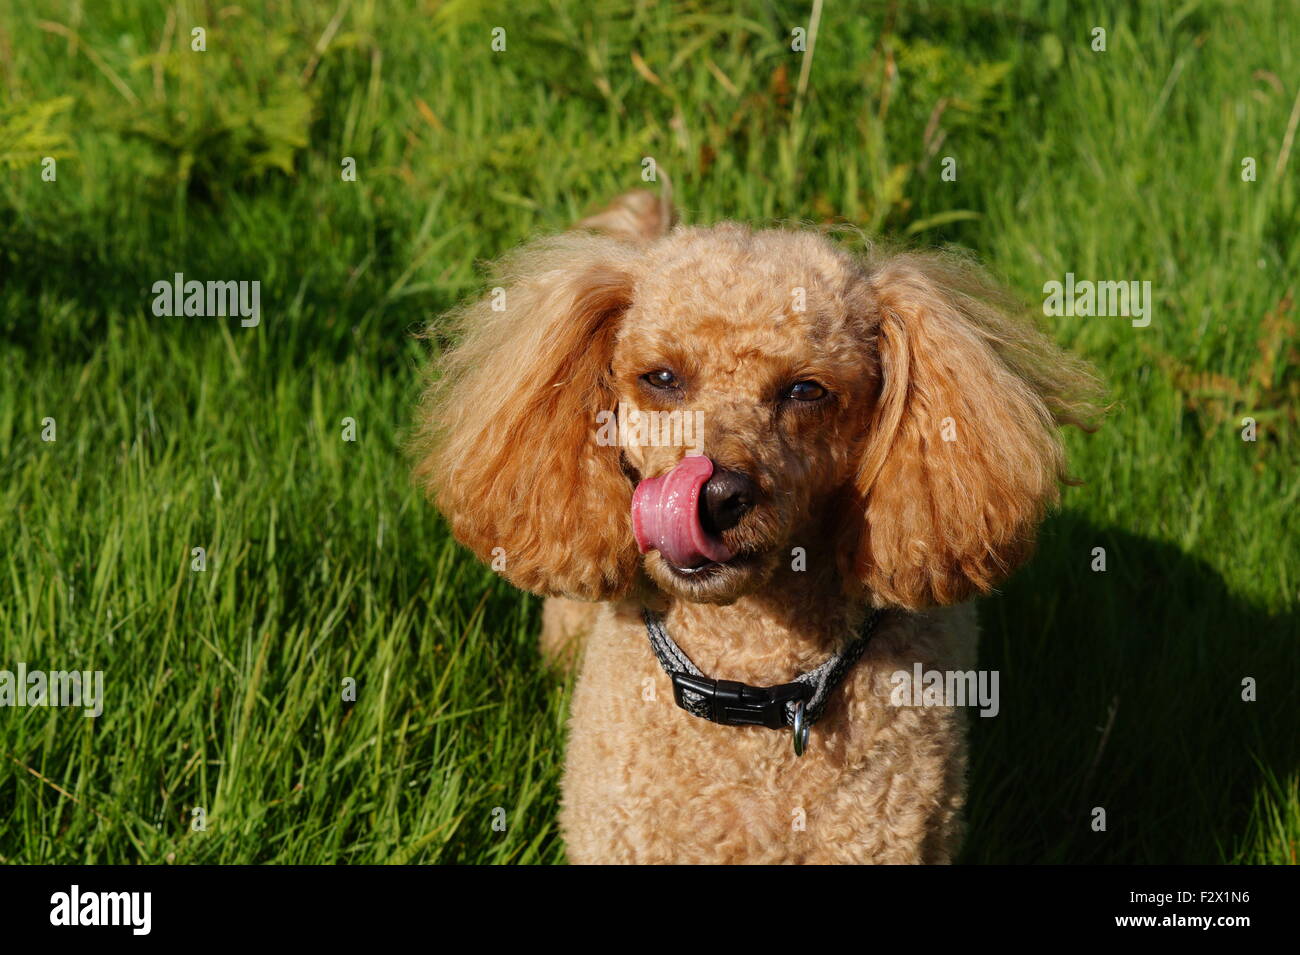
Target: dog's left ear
(962, 456)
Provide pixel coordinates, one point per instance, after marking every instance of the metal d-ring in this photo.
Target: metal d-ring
(801, 728)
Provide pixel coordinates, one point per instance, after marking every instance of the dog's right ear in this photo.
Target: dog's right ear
(507, 439)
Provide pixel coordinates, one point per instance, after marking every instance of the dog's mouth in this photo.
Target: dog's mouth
(666, 518)
(712, 568)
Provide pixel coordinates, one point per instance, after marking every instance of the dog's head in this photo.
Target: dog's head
(718, 404)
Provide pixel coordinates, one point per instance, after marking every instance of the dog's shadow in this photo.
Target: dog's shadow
(1122, 706)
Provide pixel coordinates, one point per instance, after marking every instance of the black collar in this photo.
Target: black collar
(796, 704)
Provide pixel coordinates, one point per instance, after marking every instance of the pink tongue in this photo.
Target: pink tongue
(666, 515)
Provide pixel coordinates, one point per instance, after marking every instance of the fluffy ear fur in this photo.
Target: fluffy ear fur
(636, 215)
(508, 437)
(962, 457)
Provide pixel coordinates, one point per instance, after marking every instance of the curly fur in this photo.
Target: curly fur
(917, 484)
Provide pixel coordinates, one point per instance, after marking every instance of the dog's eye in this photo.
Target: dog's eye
(661, 378)
(806, 391)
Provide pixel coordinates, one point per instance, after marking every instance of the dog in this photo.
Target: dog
(879, 445)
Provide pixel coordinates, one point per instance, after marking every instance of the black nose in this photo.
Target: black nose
(728, 496)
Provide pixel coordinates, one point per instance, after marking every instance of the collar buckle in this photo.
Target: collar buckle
(739, 704)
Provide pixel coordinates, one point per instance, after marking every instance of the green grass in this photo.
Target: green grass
(1120, 689)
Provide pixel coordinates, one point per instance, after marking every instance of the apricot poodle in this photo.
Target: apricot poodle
(757, 476)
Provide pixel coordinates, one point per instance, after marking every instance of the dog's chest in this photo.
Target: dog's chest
(648, 782)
